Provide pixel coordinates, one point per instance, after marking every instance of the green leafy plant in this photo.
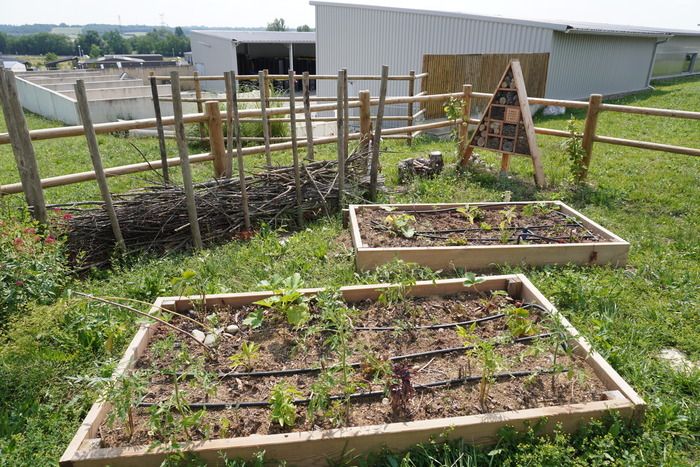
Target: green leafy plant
(401, 224)
(519, 322)
(283, 410)
(539, 209)
(287, 300)
(249, 352)
(124, 393)
(453, 111)
(508, 215)
(491, 363)
(472, 213)
(469, 339)
(321, 392)
(573, 148)
(485, 226)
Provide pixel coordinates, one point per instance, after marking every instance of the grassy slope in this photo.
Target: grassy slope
(649, 198)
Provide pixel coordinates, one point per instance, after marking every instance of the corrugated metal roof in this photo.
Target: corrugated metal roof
(263, 37)
(557, 25)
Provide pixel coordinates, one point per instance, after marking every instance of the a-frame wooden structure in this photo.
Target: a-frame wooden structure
(506, 125)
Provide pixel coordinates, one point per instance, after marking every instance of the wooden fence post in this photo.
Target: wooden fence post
(411, 93)
(307, 117)
(346, 118)
(365, 122)
(233, 123)
(262, 85)
(466, 114)
(22, 148)
(295, 152)
(340, 130)
(222, 164)
(589, 132)
(200, 105)
(376, 142)
(159, 128)
(94, 148)
(185, 160)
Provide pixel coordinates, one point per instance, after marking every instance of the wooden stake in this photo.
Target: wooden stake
(295, 152)
(307, 117)
(262, 84)
(185, 161)
(376, 141)
(519, 82)
(22, 148)
(464, 126)
(159, 128)
(222, 164)
(589, 132)
(505, 164)
(409, 106)
(346, 118)
(93, 147)
(365, 122)
(233, 123)
(340, 129)
(200, 108)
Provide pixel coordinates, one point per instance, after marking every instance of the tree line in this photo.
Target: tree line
(158, 40)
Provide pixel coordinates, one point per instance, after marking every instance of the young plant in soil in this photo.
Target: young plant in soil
(321, 392)
(283, 410)
(287, 301)
(124, 393)
(401, 224)
(472, 213)
(401, 391)
(491, 363)
(250, 351)
(519, 322)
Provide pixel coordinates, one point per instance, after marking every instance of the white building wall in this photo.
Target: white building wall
(584, 64)
(213, 55)
(672, 56)
(363, 39)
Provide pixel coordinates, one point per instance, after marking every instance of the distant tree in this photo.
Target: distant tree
(50, 57)
(39, 44)
(89, 38)
(179, 32)
(304, 28)
(160, 41)
(3, 42)
(95, 51)
(114, 43)
(277, 24)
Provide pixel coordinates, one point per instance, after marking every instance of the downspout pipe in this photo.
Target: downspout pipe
(653, 58)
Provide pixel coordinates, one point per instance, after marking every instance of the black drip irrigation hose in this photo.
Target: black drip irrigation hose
(429, 353)
(431, 326)
(364, 395)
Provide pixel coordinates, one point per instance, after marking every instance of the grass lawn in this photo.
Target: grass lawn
(652, 199)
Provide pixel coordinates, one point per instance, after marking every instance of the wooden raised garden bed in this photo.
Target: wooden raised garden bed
(479, 236)
(392, 359)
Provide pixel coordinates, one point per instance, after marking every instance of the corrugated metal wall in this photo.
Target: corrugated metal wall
(362, 40)
(584, 64)
(212, 56)
(676, 56)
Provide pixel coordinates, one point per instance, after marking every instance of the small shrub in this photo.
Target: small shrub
(573, 148)
(32, 266)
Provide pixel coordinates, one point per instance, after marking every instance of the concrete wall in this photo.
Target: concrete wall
(584, 64)
(122, 93)
(94, 84)
(47, 103)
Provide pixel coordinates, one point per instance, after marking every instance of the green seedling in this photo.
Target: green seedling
(508, 216)
(124, 393)
(519, 322)
(287, 300)
(401, 224)
(539, 209)
(282, 405)
(472, 213)
(249, 352)
(485, 226)
(456, 240)
(491, 363)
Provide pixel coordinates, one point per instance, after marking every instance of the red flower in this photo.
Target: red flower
(19, 283)
(67, 217)
(49, 240)
(18, 241)
(30, 230)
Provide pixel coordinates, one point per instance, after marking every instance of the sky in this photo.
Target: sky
(683, 14)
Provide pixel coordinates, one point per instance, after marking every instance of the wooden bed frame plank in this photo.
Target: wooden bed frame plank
(316, 447)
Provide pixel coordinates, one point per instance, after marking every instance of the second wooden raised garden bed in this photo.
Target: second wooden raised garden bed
(362, 368)
(480, 236)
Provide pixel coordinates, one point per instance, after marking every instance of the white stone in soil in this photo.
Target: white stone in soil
(199, 335)
(211, 339)
(232, 329)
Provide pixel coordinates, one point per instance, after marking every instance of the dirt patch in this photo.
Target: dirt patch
(541, 223)
(383, 341)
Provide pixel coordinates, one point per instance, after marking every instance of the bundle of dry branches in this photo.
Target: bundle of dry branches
(155, 219)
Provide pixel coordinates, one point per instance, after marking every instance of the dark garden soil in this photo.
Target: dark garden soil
(282, 347)
(515, 224)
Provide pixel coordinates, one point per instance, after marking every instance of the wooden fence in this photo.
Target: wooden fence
(222, 154)
(447, 73)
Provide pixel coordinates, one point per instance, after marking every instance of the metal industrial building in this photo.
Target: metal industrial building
(584, 58)
(247, 52)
